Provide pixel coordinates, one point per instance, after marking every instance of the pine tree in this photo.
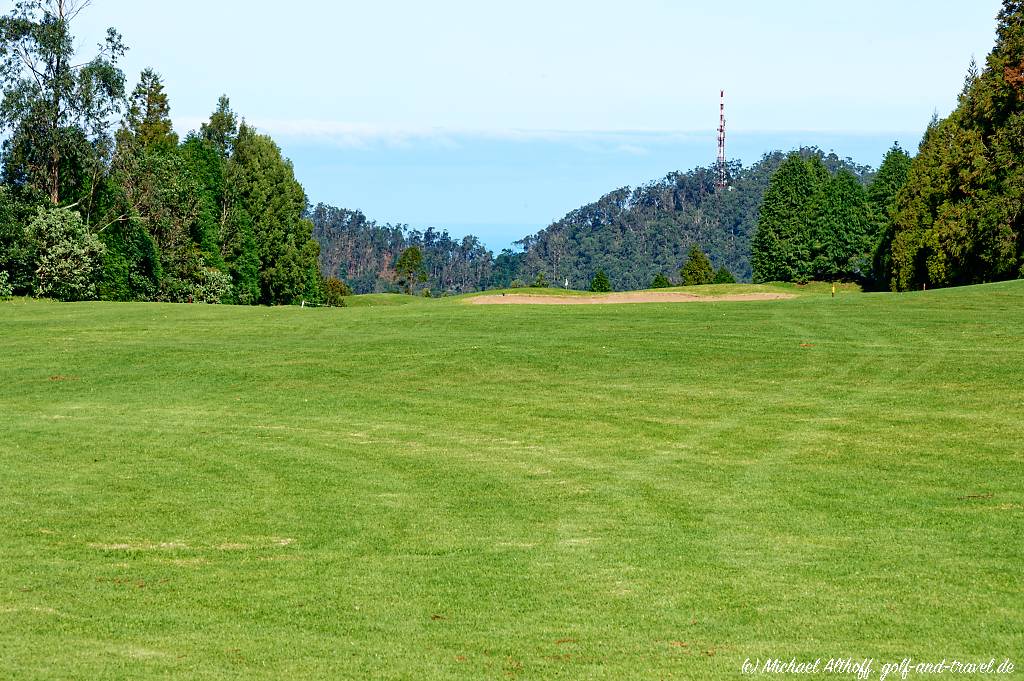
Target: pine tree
(261, 185)
(781, 245)
(205, 164)
(885, 187)
(697, 271)
(148, 121)
(840, 228)
(222, 129)
(600, 283)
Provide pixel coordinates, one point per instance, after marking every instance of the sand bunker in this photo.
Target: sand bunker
(615, 298)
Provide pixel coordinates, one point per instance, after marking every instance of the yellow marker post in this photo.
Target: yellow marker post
(833, 289)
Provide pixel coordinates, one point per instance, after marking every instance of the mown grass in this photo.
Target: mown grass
(453, 491)
(810, 288)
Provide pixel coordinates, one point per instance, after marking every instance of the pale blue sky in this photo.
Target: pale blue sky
(499, 118)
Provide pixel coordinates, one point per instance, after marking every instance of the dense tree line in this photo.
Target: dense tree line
(100, 199)
(953, 215)
(817, 224)
(960, 218)
(364, 254)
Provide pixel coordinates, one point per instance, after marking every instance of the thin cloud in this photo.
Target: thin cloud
(634, 142)
(365, 136)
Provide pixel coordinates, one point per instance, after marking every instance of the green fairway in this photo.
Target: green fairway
(440, 490)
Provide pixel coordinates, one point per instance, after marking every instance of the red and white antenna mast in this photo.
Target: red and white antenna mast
(722, 179)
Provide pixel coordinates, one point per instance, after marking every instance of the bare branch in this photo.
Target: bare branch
(28, 61)
(123, 216)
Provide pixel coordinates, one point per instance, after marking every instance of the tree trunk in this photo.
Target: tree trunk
(55, 177)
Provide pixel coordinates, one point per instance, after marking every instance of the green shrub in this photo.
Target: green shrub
(541, 281)
(213, 287)
(70, 261)
(6, 290)
(335, 292)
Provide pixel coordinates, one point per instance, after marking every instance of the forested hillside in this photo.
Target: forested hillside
(635, 234)
(363, 253)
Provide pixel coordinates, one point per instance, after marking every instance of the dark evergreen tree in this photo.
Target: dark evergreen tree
(600, 283)
(959, 219)
(840, 230)
(222, 129)
(268, 204)
(17, 251)
(781, 248)
(697, 271)
(148, 120)
(882, 192)
(207, 167)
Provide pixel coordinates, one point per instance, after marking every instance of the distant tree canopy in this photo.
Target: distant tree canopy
(99, 198)
(960, 217)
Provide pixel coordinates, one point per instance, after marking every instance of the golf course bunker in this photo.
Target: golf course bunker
(616, 298)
